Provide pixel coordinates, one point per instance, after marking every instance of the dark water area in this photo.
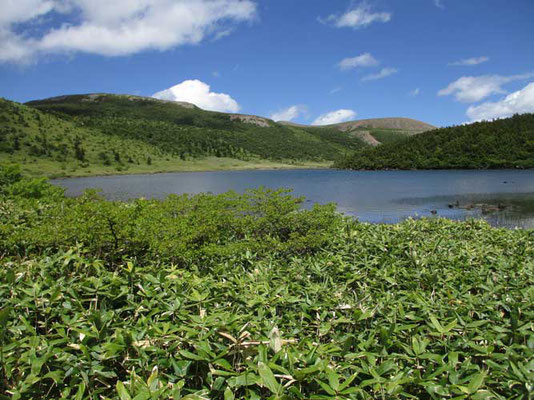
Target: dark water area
(504, 198)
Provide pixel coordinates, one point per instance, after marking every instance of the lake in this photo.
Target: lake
(502, 197)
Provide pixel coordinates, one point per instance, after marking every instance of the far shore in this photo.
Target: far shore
(210, 164)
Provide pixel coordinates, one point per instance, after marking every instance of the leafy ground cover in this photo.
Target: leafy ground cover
(247, 296)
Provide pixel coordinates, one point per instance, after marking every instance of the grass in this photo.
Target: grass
(49, 168)
(247, 296)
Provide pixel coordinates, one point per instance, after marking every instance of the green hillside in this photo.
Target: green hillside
(123, 134)
(504, 143)
(183, 130)
(47, 145)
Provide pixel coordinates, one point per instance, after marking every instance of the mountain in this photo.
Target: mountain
(102, 133)
(503, 143)
(374, 131)
(186, 131)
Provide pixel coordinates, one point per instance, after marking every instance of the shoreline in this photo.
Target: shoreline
(271, 168)
(171, 171)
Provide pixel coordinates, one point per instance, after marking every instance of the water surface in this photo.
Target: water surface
(373, 196)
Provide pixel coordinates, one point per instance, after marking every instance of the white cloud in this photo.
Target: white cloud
(469, 61)
(335, 117)
(384, 72)
(414, 93)
(113, 28)
(363, 60)
(360, 16)
(288, 114)
(439, 4)
(518, 102)
(470, 89)
(198, 93)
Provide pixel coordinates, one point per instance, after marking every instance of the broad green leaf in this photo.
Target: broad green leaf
(122, 392)
(268, 379)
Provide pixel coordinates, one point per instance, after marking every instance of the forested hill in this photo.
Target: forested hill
(503, 143)
(186, 131)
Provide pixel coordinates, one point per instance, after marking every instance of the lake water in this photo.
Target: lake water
(373, 196)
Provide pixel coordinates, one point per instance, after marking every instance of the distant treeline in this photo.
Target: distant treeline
(504, 143)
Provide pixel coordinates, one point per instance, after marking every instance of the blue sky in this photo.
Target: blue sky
(444, 62)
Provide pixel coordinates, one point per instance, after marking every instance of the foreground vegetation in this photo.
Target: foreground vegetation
(247, 296)
(504, 143)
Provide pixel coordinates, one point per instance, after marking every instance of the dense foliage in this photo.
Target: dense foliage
(246, 296)
(504, 143)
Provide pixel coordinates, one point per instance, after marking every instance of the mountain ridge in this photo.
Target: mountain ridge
(399, 123)
(403, 123)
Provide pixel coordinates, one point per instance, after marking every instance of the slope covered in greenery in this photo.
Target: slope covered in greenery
(247, 297)
(45, 144)
(184, 130)
(52, 144)
(504, 143)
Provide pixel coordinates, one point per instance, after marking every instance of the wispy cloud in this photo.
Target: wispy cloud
(414, 93)
(359, 16)
(363, 60)
(469, 62)
(335, 90)
(439, 4)
(470, 89)
(335, 117)
(384, 72)
(288, 114)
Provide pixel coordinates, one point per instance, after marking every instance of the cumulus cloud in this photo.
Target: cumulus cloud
(113, 28)
(470, 89)
(469, 62)
(363, 60)
(384, 72)
(518, 102)
(288, 114)
(334, 117)
(357, 17)
(198, 93)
